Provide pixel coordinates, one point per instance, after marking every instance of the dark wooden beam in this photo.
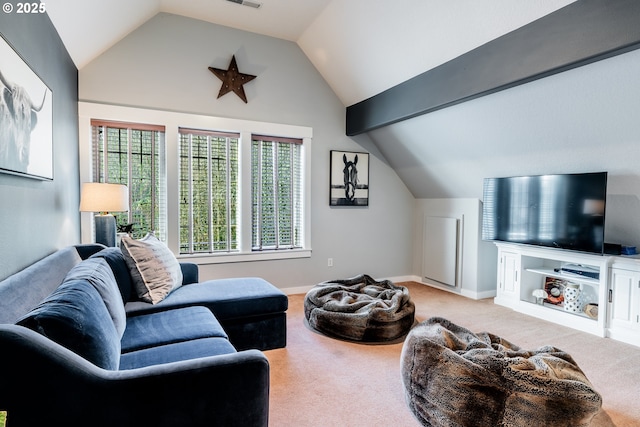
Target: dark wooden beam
(578, 34)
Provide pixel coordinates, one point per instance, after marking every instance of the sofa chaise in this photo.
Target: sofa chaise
(79, 347)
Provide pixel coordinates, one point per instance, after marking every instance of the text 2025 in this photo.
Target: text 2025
(30, 8)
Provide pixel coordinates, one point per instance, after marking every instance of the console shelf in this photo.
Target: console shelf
(557, 314)
(576, 278)
(560, 309)
(524, 269)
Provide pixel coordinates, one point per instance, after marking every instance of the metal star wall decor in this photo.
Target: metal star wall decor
(232, 80)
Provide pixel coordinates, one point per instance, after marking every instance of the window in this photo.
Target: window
(134, 155)
(208, 191)
(216, 190)
(276, 193)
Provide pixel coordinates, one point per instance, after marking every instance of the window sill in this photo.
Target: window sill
(222, 258)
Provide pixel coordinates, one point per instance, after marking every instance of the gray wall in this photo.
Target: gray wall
(163, 65)
(477, 259)
(38, 217)
(582, 120)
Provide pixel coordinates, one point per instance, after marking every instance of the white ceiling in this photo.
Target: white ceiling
(89, 27)
(360, 47)
(581, 120)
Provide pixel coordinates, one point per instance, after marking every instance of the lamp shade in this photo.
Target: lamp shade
(104, 197)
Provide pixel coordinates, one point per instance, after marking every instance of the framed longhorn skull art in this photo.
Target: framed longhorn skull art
(26, 118)
(349, 179)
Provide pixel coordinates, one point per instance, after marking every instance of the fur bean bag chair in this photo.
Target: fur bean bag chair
(360, 309)
(453, 377)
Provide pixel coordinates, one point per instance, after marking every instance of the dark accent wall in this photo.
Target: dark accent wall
(37, 217)
(578, 34)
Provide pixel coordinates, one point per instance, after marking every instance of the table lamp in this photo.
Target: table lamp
(104, 198)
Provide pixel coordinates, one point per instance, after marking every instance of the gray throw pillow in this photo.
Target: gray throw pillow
(154, 269)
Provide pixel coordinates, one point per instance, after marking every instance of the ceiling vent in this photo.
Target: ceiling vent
(247, 3)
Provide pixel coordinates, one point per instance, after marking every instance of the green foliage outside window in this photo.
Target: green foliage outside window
(134, 158)
(208, 192)
(209, 186)
(276, 194)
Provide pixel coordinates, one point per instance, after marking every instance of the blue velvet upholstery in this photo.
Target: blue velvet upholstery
(176, 352)
(171, 326)
(75, 317)
(116, 261)
(251, 310)
(26, 289)
(190, 273)
(192, 381)
(227, 298)
(98, 273)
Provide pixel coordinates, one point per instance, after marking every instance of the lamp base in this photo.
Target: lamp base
(105, 229)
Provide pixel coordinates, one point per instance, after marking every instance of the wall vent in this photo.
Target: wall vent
(252, 4)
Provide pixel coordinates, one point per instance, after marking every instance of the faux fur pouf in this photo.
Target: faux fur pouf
(453, 377)
(360, 309)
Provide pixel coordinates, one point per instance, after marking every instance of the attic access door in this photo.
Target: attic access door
(440, 250)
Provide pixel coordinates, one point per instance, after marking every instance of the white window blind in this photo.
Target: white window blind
(208, 191)
(277, 195)
(134, 154)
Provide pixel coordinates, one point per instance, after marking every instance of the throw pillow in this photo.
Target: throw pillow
(118, 265)
(75, 317)
(97, 272)
(154, 269)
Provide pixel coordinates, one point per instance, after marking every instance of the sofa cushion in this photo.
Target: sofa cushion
(167, 327)
(176, 352)
(75, 317)
(226, 298)
(154, 269)
(23, 291)
(97, 272)
(115, 259)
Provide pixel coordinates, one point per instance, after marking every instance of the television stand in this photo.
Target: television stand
(613, 284)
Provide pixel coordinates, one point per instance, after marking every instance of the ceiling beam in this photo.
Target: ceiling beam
(578, 34)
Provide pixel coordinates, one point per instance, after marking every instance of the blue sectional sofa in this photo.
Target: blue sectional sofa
(78, 348)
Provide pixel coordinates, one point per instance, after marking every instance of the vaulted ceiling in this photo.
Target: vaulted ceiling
(361, 47)
(571, 122)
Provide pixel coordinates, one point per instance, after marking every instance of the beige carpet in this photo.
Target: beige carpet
(321, 381)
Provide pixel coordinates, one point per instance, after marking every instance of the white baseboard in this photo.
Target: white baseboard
(478, 295)
(398, 279)
(296, 290)
(304, 289)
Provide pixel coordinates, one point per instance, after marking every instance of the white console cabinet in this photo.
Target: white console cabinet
(523, 269)
(508, 292)
(624, 300)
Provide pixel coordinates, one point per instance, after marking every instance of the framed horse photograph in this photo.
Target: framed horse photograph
(349, 178)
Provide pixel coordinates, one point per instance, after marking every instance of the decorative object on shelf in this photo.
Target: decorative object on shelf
(232, 80)
(26, 118)
(591, 310)
(349, 179)
(573, 300)
(540, 295)
(104, 198)
(554, 288)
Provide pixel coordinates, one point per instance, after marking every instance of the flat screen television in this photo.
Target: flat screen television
(565, 211)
